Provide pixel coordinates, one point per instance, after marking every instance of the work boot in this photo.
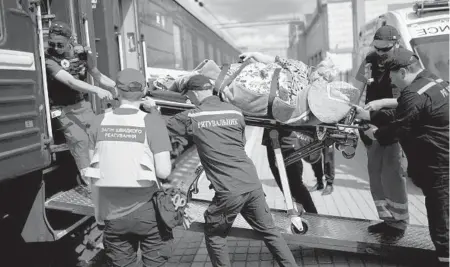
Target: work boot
(384, 228)
(328, 189)
(318, 186)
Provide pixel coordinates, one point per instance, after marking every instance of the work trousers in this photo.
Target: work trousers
(73, 122)
(387, 185)
(142, 228)
(219, 218)
(325, 166)
(436, 191)
(294, 174)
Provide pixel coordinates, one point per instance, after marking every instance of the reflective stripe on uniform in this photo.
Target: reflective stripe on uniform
(426, 87)
(220, 112)
(380, 203)
(385, 210)
(442, 259)
(396, 205)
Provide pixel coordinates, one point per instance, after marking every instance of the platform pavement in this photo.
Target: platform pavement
(190, 250)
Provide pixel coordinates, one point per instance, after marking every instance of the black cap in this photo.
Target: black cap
(401, 58)
(385, 36)
(387, 33)
(60, 28)
(130, 80)
(198, 82)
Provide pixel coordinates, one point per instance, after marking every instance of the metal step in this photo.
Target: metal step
(326, 232)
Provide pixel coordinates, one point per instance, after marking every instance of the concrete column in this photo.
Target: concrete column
(358, 14)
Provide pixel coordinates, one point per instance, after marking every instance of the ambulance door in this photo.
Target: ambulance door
(24, 137)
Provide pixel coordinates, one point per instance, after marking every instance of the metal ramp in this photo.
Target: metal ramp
(325, 232)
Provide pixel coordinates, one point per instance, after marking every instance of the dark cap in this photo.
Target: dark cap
(130, 80)
(401, 58)
(198, 83)
(387, 33)
(385, 36)
(60, 28)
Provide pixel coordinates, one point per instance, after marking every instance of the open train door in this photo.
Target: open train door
(25, 133)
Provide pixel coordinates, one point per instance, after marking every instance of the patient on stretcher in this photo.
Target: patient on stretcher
(286, 90)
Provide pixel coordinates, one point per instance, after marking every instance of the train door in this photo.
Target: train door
(107, 25)
(23, 127)
(129, 40)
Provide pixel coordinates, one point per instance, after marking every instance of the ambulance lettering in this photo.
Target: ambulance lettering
(432, 30)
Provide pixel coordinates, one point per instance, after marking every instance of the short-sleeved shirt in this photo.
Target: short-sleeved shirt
(114, 203)
(218, 131)
(380, 88)
(422, 122)
(59, 93)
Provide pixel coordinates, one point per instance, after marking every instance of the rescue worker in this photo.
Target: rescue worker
(218, 131)
(130, 149)
(324, 167)
(421, 121)
(387, 184)
(67, 66)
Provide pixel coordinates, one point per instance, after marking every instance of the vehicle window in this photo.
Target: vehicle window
(434, 54)
(2, 30)
(178, 47)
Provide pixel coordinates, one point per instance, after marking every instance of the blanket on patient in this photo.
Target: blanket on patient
(288, 90)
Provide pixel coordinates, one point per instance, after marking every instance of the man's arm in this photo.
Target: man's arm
(102, 79)
(177, 125)
(159, 143)
(406, 113)
(64, 77)
(92, 130)
(361, 77)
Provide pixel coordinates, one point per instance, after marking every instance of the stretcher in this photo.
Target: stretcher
(297, 227)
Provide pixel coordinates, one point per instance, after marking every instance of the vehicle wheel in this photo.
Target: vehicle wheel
(305, 228)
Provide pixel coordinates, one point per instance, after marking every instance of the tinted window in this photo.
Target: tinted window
(2, 30)
(434, 54)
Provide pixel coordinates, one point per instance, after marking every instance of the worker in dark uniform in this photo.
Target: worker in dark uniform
(218, 131)
(387, 184)
(324, 168)
(421, 121)
(67, 65)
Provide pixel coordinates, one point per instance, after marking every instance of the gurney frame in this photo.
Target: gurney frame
(326, 135)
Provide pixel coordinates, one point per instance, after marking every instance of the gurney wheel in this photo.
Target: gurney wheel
(348, 156)
(305, 228)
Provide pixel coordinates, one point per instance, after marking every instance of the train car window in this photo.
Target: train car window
(195, 51)
(211, 51)
(160, 20)
(178, 46)
(219, 57)
(2, 24)
(188, 46)
(201, 49)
